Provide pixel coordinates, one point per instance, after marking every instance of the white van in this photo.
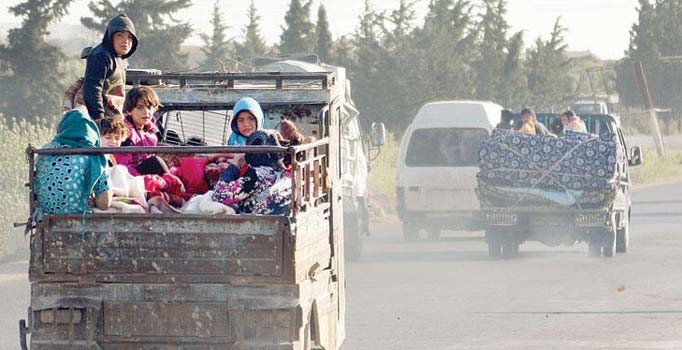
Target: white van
(437, 166)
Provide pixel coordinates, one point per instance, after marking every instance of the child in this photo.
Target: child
(112, 131)
(247, 117)
(104, 83)
(139, 107)
(259, 187)
(64, 184)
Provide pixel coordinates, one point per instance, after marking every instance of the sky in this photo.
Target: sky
(599, 26)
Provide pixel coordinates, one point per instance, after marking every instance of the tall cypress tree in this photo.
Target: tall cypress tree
(254, 45)
(160, 34)
(550, 83)
(297, 34)
(323, 37)
(492, 48)
(217, 47)
(31, 70)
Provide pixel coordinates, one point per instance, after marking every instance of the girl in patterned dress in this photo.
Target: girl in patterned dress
(65, 183)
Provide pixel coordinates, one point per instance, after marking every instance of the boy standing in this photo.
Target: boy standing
(104, 84)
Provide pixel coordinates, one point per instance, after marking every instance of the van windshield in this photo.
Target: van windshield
(444, 147)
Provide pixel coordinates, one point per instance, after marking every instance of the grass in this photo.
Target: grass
(657, 168)
(382, 175)
(16, 136)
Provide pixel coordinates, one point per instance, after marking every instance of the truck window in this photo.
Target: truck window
(444, 147)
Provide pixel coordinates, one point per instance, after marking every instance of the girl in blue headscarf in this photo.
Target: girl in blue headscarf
(247, 117)
(65, 183)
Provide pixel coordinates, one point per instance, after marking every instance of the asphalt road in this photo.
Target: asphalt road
(448, 294)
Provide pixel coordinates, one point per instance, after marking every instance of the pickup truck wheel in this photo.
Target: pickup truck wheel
(410, 232)
(594, 245)
(433, 233)
(623, 238)
(509, 249)
(609, 244)
(494, 248)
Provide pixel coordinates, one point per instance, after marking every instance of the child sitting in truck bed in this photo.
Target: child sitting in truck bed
(259, 187)
(139, 107)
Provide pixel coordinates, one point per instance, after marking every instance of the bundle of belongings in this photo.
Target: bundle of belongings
(574, 170)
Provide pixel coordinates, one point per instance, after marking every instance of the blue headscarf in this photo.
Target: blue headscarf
(77, 130)
(244, 104)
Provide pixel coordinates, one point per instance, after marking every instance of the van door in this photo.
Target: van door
(440, 167)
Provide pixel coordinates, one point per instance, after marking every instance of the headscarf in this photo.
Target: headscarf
(77, 130)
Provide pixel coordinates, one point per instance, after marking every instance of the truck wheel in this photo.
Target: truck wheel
(433, 233)
(509, 249)
(594, 245)
(410, 232)
(354, 238)
(609, 244)
(623, 237)
(494, 248)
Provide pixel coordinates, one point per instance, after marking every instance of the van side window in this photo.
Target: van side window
(444, 147)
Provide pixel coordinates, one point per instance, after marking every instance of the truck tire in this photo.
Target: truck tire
(509, 249)
(410, 232)
(623, 237)
(433, 233)
(494, 249)
(609, 245)
(494, 242)
(354, 237)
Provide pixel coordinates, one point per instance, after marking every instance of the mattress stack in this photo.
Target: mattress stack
(572, 170)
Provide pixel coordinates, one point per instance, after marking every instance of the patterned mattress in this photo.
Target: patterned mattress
(572, 170)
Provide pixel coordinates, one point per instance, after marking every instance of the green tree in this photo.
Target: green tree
(31, 70)
(550, 83)
(492, 49)
(161, 36)
(297, 34)
(513, 92)
(254, 45)
(323, 37)
(217, 47)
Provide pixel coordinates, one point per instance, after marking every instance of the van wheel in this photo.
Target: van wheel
(509, 250)
(410, 232)
(623, 237)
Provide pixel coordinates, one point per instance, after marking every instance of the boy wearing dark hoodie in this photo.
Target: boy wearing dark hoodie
(105, 72)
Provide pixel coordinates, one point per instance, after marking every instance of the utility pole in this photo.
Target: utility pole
(644, 88)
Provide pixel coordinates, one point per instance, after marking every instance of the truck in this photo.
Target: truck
(557, 190)
(200, 281)
(356, 145)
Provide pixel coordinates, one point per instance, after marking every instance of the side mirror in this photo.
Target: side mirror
(636, 157)
(378, 134)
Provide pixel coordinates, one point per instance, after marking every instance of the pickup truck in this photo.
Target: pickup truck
(557, 190)
(193, 281)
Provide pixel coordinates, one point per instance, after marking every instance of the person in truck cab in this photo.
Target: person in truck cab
(506, 118)
(64, 184)
(528, 117)
(572, 122)
(104, 81)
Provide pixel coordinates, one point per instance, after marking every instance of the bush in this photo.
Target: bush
(382, 175)
(16, 135)
(657, 168)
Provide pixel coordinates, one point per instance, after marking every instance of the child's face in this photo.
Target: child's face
(246, 123)
(142, 114)
(123, 42)
(112, 140)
